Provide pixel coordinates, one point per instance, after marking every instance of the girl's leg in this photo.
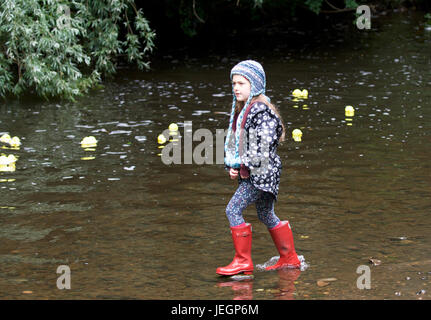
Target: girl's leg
(265, 210)
(241, 232)
(242, 198)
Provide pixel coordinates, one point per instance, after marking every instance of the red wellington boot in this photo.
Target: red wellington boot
(283, 240)
(241, 262)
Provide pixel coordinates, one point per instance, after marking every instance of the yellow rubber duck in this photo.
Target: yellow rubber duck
(297, 93)
(7, 164)
(173, 127)
(161, 139)
(4, 160)
(10, 159)
(15, 142)
(297, 135)
(349, 111)
(89, 142)
(5, 138)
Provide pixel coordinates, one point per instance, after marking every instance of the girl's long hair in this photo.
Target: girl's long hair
(261, 98)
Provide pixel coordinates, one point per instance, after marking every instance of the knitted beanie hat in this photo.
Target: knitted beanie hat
(254, 73)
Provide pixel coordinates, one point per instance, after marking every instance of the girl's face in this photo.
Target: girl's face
(241, 87)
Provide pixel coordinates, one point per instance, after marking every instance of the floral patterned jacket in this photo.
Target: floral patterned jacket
(262, 131)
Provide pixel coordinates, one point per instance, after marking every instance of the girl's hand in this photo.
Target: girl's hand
(233, 173)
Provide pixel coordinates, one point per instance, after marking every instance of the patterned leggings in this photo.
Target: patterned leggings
(247, 194)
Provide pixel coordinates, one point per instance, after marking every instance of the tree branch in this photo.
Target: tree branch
(128, 23)
(336, 10)
(195, 13)
(332, 6)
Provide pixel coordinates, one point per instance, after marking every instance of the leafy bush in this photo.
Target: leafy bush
(63, 48)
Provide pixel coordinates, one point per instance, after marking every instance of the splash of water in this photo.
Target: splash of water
(262, 267)
(240, 277)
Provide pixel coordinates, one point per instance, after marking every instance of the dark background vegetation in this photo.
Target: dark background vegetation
(242, 24)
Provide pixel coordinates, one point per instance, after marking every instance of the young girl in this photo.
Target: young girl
(255, 129)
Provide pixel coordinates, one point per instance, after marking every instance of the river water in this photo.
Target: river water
(130, 227)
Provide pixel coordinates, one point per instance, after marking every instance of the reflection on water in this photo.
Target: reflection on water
(283, 290)
(242, 290)
(129, 226)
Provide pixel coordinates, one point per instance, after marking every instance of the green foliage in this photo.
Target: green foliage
(314, 5)
(62, 48)
(428, 17)
(352, 4)
(188, 21)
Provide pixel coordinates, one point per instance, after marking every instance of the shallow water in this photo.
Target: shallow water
(129, 226)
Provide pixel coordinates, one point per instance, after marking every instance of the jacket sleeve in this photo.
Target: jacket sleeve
(261, 136)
